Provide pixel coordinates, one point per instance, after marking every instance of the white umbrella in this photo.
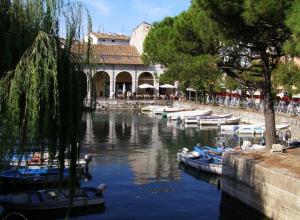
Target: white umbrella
(146, 86)
(281, 94)
(191, 89)
(296, 96)
(167, 86)
(257, 92)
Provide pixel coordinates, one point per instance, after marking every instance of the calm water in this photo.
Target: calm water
(135, 156)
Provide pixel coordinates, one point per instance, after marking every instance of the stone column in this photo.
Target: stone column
(112, 86)
(134, 82)
(89, 76)
(156, 87)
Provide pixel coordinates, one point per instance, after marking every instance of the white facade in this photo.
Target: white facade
(138, 36)
(109, 40)
(114, 70)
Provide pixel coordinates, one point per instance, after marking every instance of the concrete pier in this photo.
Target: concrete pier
(270, 183)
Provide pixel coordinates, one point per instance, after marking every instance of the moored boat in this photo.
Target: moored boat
(201, 161)
(250, 129)
(234, 128)
(151, 108)
(159, 111)
(191, 120)
(34, 176)
(211, 165)
(185, 114)
(218, 121)
(53, 199)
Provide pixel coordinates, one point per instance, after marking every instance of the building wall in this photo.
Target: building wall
(138, 36)
(297, 61)
(137, 39)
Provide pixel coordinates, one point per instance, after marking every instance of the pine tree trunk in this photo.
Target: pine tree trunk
(270, 135)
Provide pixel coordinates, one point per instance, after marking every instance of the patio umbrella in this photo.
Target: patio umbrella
(146, 86)
(296, 96)
(257, 92)
(281, 95)
(191, 89)
(167, 86)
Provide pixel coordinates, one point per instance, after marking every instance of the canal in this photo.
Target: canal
(134, 154)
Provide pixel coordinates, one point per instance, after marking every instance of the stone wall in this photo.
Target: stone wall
(268, 183)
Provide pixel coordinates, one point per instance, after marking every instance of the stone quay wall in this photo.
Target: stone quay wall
(268, 183)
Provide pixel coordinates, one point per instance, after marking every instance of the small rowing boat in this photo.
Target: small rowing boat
(53, 199)
(201, 161)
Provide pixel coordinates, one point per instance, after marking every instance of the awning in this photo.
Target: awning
(146, 86)
(167, 86)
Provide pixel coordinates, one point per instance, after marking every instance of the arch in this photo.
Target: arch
(146, 78)
(123, 78)
(102, 83)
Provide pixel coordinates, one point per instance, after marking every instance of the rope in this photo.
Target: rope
(15, 213)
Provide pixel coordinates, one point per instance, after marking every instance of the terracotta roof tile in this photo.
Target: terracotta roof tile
(111, 54)
(111, 36)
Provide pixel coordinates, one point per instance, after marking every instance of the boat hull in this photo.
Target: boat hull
(200, 163)
(52, 200)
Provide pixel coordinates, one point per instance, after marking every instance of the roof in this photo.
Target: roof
(112, 54)
(111, 36)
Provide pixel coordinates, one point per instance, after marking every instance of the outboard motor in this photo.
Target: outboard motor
(100, 189)
(87, 159)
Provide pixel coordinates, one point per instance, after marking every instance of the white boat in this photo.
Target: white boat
(215, 116)
(218, 121)
(159, 111)
(250, 129)
(234, 128)
(191, 120)
(282, 126)
(195, 160)
(150, 108)
(185, 114)
(185, 154)
(248, 146)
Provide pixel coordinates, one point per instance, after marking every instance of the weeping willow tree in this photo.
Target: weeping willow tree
(42, 84)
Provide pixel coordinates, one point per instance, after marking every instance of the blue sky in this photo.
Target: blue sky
(122, 16)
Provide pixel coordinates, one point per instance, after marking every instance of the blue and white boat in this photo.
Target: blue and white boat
(207, 164)
(201, 161)
(34, 176)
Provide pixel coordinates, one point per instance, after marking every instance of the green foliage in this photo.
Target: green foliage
(292, 46)
(159, 43)
(33, 82)
(185, 49)
(42, 82)
(287, 77)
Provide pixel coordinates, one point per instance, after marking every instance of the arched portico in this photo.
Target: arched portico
(123, 83)
(102, 84)
(146, 78)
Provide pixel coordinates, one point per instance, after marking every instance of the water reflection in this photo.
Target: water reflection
(203, 176)
(135, 155)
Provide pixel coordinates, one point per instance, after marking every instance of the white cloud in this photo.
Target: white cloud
(102, 6)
